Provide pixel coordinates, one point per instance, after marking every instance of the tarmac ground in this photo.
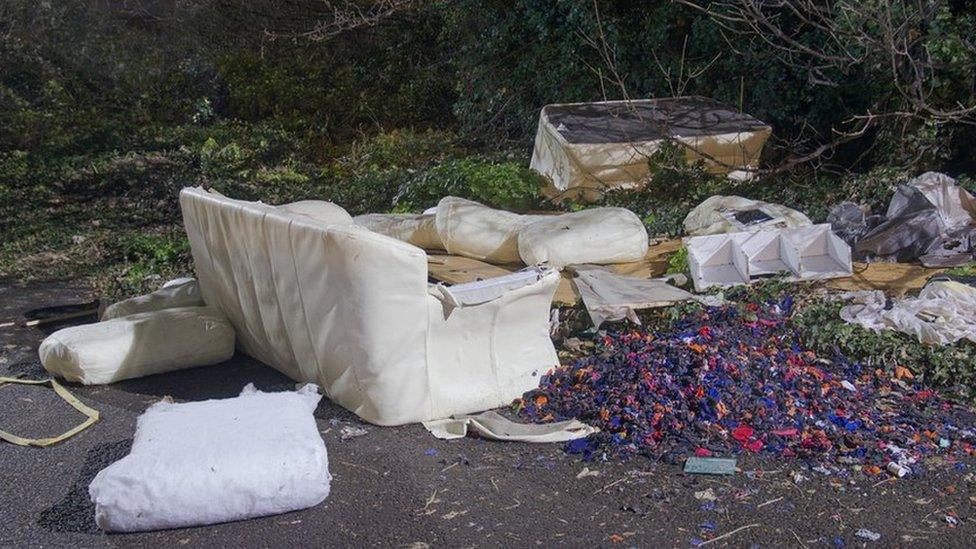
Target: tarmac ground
(401, 487)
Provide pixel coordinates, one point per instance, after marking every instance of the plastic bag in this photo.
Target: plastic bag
(216, 461)
(138, 345)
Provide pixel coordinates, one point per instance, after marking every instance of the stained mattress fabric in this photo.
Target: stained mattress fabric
(587, 149)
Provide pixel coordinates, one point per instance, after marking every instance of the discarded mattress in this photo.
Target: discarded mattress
(494, 426)
(320, 210)
(352, 310)
(943, 313)
(182, 292)
(417, 229)
(213, 461)
(807, 253)
(730, 214)
(930, 218)
(138, 345)
(596, 236)
(586, 149)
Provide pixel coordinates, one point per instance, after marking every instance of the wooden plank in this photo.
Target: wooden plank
(895, 279)
(454, 269)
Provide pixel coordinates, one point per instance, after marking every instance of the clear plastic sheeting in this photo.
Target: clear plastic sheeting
(587, 149)
(730, 214)
(181, 292)
(596, 236)
(943, 313)
(138, 345)
(214, 461)
(417, 229)
(351, 310)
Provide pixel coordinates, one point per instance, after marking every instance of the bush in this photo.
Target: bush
(507, 185)
(950, 366)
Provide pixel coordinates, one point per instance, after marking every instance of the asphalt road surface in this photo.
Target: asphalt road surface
(400, 487)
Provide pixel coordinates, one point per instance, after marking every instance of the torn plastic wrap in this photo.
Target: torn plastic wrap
(943, 313)
(851, 221)
(930, 219)
(609, 296)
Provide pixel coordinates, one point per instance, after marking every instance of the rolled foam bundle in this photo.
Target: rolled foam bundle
(138, 345)
(598, 235)
(417, 229)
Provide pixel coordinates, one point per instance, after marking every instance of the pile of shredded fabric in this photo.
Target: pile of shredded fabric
(736, 379)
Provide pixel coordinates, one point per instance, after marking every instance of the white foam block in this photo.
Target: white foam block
(216, 461)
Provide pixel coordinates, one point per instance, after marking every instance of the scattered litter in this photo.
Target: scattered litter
(736, 379)
(216, 461)
(864, 533)
(943, 313)
(494, 426)
(930, 218)
(898, 470)
(727, 534)
(710, 466)
(352, 431)
(587, 472)
(851, 221)
(706, 495)
(431, 452)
